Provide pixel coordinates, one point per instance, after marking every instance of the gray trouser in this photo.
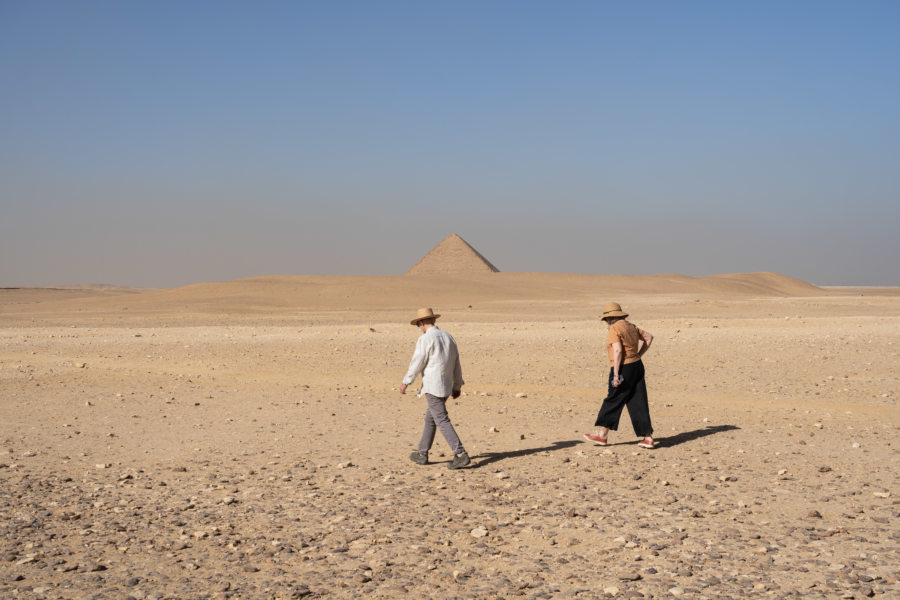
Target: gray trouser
(436, 417)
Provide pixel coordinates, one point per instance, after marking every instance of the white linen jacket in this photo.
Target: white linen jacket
(437, 358)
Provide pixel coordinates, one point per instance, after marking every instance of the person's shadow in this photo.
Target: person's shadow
(683, 437)
(487, 458)
(690, 436)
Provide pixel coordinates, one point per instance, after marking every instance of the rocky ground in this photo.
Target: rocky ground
(157, 458)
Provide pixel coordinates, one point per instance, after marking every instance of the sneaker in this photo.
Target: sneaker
(599, 441)
(459, 461)
(420, 458)
(646, 443)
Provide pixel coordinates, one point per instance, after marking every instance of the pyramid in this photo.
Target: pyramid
(452, 256)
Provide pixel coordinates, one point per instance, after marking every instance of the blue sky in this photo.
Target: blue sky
(166, 143)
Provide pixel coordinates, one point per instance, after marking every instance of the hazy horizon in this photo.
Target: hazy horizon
(163, 144)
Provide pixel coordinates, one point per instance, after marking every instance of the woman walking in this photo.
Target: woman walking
(625, 343)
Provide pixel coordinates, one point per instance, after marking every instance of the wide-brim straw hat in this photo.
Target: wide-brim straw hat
(613, 309)
(422, 314)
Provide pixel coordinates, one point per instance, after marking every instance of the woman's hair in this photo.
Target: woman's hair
(612, 320)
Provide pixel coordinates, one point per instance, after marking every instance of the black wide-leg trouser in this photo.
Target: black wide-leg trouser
(631, 393)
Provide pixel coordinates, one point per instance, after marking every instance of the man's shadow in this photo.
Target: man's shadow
(487, 458)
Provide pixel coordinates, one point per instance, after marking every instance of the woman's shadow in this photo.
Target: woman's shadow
(487, 458)
(690, 436)
(683, 437)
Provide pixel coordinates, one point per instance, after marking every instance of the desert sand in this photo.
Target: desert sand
(246, 439)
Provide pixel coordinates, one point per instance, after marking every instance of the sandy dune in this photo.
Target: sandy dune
(486, 292)
(245, 440)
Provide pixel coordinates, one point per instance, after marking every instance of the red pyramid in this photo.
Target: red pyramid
(453, 255)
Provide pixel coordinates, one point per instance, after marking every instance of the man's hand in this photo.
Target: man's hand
(403, 388)
(456, 393)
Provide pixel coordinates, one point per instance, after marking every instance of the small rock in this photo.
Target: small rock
(478, 532)
(521, 395)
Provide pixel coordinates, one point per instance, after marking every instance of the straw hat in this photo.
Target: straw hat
(423, 313)
(613, 309)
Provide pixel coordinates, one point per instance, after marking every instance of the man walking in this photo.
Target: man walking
(437, 359)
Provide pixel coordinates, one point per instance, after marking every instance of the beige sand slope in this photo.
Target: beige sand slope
(452, 275)
(480, 294)
(452, 255)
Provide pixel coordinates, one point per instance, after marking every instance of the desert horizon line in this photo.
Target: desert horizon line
(503, 274)
(453, 256)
